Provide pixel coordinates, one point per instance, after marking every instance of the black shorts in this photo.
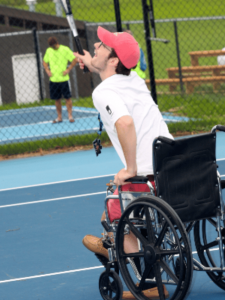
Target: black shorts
(59, 90)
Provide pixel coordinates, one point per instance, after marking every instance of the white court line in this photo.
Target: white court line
(56, 182)
(220, 159)
(64, 272)
(53, 199)
(50, 274)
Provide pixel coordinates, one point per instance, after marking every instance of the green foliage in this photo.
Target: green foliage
(12, 2)
(50, 144)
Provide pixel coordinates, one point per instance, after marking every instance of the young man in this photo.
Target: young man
(57, 58)
(131, 119)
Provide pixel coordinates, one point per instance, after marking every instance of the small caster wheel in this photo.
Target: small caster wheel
(110, 286)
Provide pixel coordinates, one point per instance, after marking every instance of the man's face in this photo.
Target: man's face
(100, 59)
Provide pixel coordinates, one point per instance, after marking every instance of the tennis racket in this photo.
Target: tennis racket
(67, 8)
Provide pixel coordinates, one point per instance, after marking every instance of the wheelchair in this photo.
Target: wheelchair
(189, 197)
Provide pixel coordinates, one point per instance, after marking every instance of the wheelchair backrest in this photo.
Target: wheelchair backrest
(186, 175)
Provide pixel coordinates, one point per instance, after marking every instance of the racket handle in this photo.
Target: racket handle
(80, 50)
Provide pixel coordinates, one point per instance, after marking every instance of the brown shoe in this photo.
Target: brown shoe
(95, 245)
(150, 293)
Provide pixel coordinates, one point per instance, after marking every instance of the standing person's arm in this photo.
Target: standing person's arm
(49, 73)
(127, 137)
(73, 63)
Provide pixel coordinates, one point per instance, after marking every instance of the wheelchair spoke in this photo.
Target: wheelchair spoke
(137, 254)
(144, 276)
(150, 231)
(161, 235)
(209, 245)
(168, 252)
(212, 222)
(167, 269)
(158, 277)
(136, 232)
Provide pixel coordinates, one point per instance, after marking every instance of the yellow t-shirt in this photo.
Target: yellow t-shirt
(58, 61)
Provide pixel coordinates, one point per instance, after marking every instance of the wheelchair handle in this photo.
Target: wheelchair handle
(165, 140)
(218, 127)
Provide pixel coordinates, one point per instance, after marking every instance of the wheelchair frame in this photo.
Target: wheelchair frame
(160, 224)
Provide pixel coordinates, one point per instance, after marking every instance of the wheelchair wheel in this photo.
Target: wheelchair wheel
(164, 259)
(206, 241)
(110, 286)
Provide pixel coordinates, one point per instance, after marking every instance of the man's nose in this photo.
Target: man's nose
(96, 45)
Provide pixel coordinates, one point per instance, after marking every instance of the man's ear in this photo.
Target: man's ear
(113, 61)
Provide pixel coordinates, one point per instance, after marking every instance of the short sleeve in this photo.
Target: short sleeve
(70, 55)
(46, 57)
(110, 105)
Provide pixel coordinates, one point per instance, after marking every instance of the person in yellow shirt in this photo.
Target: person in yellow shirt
(141, 65)
(55, 63)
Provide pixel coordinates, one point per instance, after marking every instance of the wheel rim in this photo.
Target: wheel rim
(110, 286)
(157, 259)
(207, 245)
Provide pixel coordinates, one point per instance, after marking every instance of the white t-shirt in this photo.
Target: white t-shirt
(121, 95)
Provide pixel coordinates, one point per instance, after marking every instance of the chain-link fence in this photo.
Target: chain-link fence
(182, 42)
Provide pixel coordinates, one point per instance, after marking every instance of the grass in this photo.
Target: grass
(103, 10)
(50, 144)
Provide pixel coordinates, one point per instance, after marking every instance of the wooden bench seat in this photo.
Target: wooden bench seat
(189, 82)
(196, 71)
(196, 54)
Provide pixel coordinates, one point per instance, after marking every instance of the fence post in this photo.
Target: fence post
(118, 16)
(74, 71)
(37, 52)
(178, 55)
(149, 50)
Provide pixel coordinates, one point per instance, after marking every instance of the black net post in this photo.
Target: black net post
(178, 55)
(118, 16)
(149, 50)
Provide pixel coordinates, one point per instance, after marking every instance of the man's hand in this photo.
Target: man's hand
(49, 73)
(85, 60)
(122, 175)
(66, 72)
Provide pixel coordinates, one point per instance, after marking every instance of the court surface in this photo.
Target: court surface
(47, 205)
(27, 124)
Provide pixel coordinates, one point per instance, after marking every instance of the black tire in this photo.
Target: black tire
(159, 250)
(205, 234)
(110, 286)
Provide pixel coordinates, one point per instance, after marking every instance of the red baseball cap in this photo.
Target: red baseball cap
(124, 44)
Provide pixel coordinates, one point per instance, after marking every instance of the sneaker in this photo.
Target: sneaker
(150, 293)
(95, 245)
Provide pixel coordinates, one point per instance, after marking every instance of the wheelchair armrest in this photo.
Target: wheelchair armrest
(137, 179)
(165, 140)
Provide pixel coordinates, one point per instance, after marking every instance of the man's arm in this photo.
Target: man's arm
(127, 137)
(73, 63)
(49, 73)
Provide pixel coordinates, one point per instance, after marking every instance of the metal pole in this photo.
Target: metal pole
(152, 19)
(118, 16)
(149, 50)
(37, 52)
(178, 56)
(74, 71)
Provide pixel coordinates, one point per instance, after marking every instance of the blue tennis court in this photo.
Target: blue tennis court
(47, 205)
(27, 124)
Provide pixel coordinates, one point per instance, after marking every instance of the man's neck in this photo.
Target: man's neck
(106, 74)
